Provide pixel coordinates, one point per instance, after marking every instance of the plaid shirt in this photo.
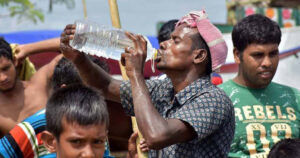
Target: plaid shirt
(204, 106)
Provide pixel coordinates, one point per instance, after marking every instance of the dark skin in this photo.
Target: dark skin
(177, 58)
(20, 99)
(257, 65)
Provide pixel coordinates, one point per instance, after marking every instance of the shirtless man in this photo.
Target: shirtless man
(20, 99)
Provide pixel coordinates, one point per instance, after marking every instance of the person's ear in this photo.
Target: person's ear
(237, 55)
(199, 55)
(49, 141)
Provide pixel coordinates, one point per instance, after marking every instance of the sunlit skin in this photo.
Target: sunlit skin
(78, 141)
(175, 49)
(257, 65)
(20, 99)
(7, 74)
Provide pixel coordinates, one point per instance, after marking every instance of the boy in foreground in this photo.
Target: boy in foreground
(77, 123)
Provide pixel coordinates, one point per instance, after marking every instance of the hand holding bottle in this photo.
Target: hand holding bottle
(134, 57)
(100, 40)
(66, 49)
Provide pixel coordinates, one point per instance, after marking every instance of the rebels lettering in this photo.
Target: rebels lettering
(270, 112)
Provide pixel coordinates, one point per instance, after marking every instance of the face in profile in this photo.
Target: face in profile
(78, 141)
(258, 64)
(7, 74)
(175, 53)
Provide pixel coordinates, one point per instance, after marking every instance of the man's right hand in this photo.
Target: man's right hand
(66, 49)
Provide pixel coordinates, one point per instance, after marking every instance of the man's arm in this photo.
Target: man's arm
(91, 74)
(157, 131)
(6, 125)
(25, 50)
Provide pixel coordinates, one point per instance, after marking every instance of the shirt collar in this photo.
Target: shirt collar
(197, 87)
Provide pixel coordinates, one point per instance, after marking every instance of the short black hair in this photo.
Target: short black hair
(199, 43)
(286, 148)
(64, 73)
(5, 49)
(255, 29)
(100, 62)
(166, 29)
(77, 104)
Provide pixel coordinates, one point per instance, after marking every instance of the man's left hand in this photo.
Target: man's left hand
(134, 58)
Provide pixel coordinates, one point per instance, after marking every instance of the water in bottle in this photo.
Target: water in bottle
(103, 41)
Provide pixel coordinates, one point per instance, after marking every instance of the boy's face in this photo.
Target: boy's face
(7, 74)
(78, 141)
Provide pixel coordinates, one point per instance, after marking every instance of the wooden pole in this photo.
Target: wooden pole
(114, 14)
(84, 9)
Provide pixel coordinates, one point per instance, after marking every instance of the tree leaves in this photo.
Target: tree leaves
(26, 10)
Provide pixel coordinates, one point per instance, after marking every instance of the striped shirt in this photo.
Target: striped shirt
(24, 140)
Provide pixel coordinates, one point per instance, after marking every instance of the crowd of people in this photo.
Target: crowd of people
(72, 106)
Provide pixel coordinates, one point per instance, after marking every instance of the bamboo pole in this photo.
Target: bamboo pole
(84, 9)
(114, 14)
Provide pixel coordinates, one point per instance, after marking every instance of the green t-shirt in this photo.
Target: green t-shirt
(263, 117)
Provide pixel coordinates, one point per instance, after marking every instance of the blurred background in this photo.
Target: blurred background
(26, 21)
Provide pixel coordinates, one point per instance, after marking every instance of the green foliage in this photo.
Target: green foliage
(26, 10)
(23, 9)
(70, 4)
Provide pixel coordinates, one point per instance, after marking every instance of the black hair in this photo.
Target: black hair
(199, 43)
(5, 49)
(77, 104)
(100, 62)
(286, 148)
(255, 29)
(66, 73)
(166, 29)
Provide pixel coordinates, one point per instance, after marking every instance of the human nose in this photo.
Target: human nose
(267, 62)
(3, 77)
(88, 152)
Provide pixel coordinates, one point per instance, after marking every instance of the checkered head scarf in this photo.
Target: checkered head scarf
(211, 35)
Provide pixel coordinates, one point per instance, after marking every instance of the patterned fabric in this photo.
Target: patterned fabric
(263, 117)
(204, 106)
(24, 140)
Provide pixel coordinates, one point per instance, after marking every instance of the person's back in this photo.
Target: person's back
(265, 112)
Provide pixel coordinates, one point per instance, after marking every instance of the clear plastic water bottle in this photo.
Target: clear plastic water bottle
(104, 41)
